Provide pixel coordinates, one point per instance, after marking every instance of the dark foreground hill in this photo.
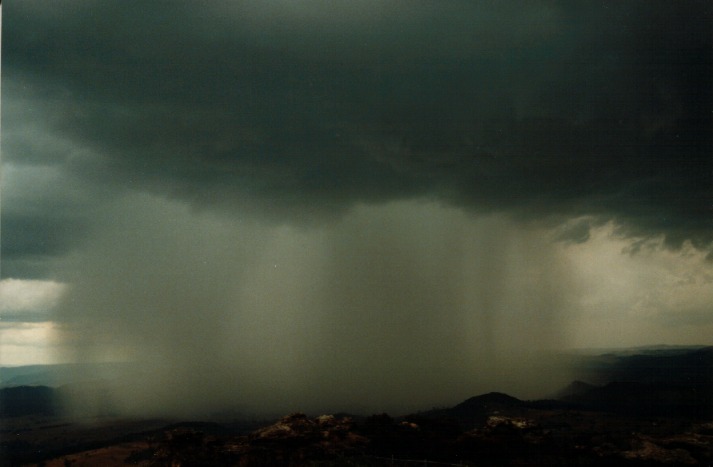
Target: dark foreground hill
(488, 430)
(659, 411)
(535, 437)
(647, 399)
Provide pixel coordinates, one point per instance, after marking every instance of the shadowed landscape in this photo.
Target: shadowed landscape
(645, 407)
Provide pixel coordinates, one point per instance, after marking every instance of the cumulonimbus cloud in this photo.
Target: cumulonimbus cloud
(542, 110)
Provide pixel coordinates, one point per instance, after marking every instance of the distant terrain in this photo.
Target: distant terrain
(650, 406)
(62, 374)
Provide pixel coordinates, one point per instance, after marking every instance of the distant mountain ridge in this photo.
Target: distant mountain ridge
(669, 382)
(693, 367)
(60, 374)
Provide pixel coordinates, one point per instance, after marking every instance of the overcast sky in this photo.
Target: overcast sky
(284, 190)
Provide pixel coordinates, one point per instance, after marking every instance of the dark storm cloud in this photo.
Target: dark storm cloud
(139, 137)
(46, 214)
(28, 236)
(300, 109)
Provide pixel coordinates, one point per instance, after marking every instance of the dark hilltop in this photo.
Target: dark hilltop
(658, 411)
